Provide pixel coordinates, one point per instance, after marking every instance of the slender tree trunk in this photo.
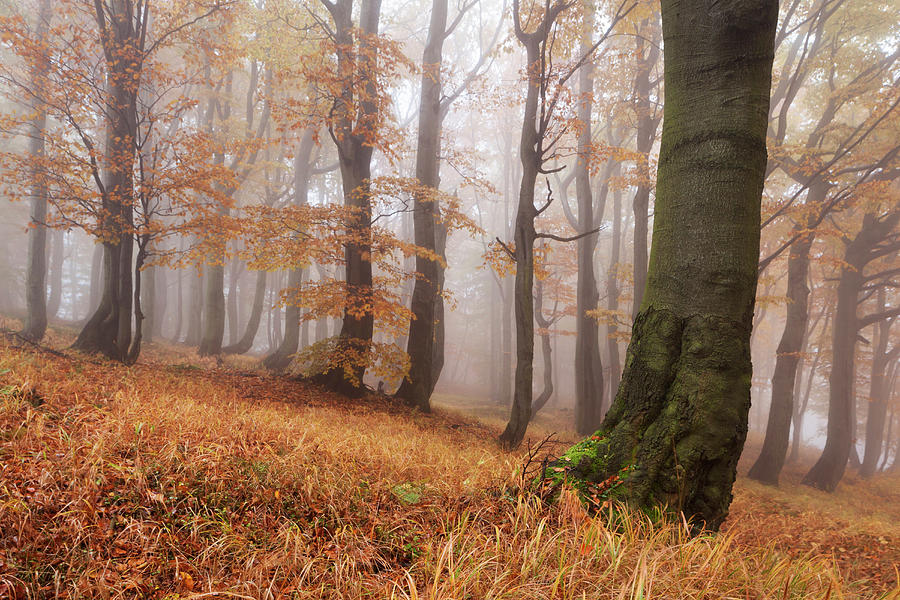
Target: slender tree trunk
(768, 466)
(506, 341)
(281, 358)
(213, 311)
(195, 309)
(259, 295)
(588, 366)
(232, 302)
(800, 410)
(148, 302)
(355, 159)
(160, 300)
(36, 272)
(437, 361)
(417, 386)
(179, 307)
(494, 315)
(878, 393)
(57, 260)
(531, 155)
(135, 350)
(546, 349)
(612, 295)
(680, 417)
(321, 323)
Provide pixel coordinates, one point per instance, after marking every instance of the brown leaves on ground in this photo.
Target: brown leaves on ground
(169, 479)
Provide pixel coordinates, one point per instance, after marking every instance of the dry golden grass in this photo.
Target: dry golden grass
(166, 480)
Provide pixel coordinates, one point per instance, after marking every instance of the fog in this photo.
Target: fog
(224, 187)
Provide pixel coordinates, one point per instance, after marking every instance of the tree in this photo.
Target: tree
(106, 78)
(879, 391)
(877, 237)
(425, 344)
(827, 159)
(281, 358)
(588, 367)
(353, 127)
(679, 420)
(541, 131)
(36, 274)
(417, 386)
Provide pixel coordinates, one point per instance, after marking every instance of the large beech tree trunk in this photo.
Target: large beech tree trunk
(648, 54)
(36, 272)
(679, 419)
(417, 386)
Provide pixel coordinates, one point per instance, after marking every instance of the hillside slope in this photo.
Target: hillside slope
(174, 479)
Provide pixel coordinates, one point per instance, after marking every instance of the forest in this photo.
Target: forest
(450, 299)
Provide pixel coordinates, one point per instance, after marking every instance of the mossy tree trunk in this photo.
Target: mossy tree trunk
(679, 419)
(647, 51)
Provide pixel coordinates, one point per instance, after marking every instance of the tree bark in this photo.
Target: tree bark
(195, 309)
(259, 295)
(231, 303)
(57, 259)
(437, 362)
(417, 386)
(213, 321)
(351, 129)
(148, 302)
(829, 469)
(35, 325)
(612, 295)
(109, 329)
(679, 420)
(768, 465)
(546, 349)
(648, 54)
(588, 366)
(531, 155)
(281, 358)
(879, 392)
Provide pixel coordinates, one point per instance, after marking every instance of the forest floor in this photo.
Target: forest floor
(182, 478)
